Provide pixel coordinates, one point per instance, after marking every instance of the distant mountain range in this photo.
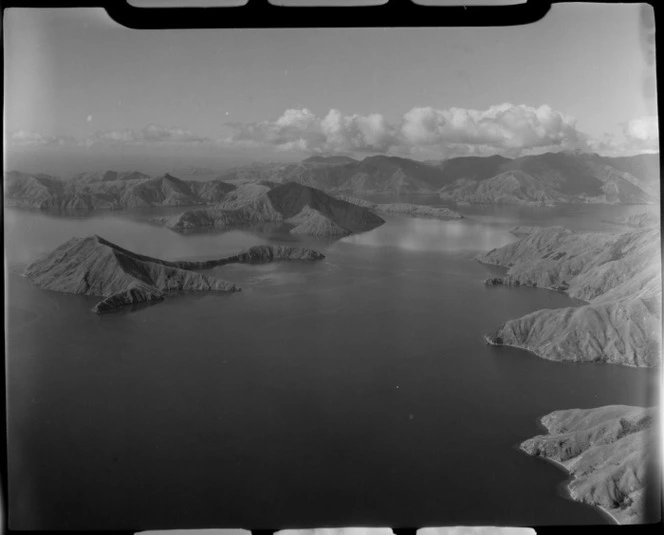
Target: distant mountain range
(108, 190)
(549, 178)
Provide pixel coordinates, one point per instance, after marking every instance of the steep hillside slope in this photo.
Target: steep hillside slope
(94, 266)
(619, 274)
(611, 453)
(310, 210)
(509, 187)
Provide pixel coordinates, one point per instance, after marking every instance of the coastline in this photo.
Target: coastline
(491, 343)
(570, 478)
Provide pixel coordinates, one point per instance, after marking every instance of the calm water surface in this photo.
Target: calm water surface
(355, 390)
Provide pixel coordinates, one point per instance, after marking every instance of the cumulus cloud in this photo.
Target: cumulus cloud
(503, 127)
(364, 133)
(302, 130)
(422, 132)
(639, 135)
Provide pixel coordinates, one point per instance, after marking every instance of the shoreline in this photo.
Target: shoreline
(533, 352)
(571, 478)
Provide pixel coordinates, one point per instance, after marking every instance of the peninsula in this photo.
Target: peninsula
(94, 266)
(617, 274)
(610, 453)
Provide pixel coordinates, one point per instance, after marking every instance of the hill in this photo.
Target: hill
(310, 211)
(563, 177)
(618, 274)
(610, 453)
(97, 267)
(109, 190)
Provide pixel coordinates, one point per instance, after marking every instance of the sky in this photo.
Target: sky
(82, 92)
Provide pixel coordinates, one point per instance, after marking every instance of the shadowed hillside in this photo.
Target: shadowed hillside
(309, 210)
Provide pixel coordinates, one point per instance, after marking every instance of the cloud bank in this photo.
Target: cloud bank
(506, 129)
(502, 128)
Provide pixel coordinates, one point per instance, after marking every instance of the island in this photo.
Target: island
(94, 266)
(611, 454)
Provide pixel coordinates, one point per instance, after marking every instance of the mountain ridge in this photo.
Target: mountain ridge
(109, 190)
(561, 177)
(548, 178)
(310, 210)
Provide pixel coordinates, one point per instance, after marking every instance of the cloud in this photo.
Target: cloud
(302, 130)
(23, 138)
(422, 132)
(504, 127)
(637, 136)
(644, 129)
(363, 133)
(151, 134)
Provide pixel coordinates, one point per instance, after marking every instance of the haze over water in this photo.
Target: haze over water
(355, 390)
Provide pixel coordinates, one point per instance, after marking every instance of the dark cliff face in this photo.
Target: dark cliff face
(618, 274)
(97, 267)
(290, 199)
